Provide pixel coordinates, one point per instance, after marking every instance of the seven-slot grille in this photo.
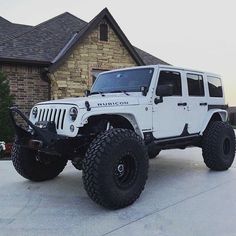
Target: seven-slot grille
(52, 114)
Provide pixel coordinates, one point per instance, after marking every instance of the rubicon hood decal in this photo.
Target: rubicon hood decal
(109, 104)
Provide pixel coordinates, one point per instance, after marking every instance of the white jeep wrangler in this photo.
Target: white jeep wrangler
(129, 116)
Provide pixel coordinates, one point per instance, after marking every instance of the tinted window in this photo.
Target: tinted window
(171, 78)
(124, 80)
(195, 85)
(215, 86)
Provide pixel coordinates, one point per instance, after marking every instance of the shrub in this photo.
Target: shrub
(6, 129)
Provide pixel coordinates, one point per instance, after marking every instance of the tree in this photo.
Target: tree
(6, 100)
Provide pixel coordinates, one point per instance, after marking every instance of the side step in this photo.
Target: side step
(179, 142)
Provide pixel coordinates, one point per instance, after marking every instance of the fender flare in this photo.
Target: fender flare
(130, 117)
(223, 115)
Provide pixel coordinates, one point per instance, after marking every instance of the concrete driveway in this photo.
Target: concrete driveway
(182, 197)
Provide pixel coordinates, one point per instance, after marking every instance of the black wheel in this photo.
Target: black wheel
(153, 152)
(115, 168)
(26, 164)
(218, 146)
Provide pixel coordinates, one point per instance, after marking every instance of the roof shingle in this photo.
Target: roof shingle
(149, 59)
(10, 30)
(44, 42)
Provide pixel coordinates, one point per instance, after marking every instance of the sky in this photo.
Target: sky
(198, 34)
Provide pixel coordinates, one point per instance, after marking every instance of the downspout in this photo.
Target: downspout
(45, 76)
(53, 83)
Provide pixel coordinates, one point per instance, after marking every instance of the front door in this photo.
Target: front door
(169, 116)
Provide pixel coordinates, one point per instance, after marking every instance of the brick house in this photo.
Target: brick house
(61, 57)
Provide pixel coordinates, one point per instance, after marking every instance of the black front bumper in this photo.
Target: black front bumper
(43, 139)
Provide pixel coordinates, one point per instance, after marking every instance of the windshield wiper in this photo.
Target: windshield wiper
(120, 91)
(93, 93)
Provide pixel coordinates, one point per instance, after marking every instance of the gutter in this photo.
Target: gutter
(23, 61)
(64, 49)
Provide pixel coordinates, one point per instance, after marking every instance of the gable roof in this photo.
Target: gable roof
(50, 42)
(104, 14)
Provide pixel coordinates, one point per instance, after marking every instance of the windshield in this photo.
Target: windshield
(123, 81)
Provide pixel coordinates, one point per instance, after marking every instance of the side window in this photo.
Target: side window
(195, 85)
(215, 86)
(172, 78)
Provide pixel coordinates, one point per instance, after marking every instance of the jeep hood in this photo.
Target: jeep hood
(96, 101)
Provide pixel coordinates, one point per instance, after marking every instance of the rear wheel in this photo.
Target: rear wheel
(218, 147)
(115, 168)
(27, 164)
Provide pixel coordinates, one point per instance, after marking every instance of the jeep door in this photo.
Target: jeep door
(169, 111)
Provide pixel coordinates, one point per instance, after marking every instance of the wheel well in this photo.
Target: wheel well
(118, 121)
(97, 124)
(215, 117)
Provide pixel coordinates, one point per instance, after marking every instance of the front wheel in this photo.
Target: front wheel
(26, 164)
(115, 168)
(218, 146)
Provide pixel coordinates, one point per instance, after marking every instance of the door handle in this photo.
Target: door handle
(182, 104)
(203, 104)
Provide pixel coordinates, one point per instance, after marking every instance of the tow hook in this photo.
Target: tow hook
(35, 144)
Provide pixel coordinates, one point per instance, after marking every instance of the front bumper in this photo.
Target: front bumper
(43, 139)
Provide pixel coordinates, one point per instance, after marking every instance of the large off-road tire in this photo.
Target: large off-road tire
(115, 168)
(218, 146)
(26, 164)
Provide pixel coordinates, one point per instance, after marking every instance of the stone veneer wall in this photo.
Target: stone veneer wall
(74, 75)
(26, 86)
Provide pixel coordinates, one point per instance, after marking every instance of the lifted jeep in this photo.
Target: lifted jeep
(129, 116)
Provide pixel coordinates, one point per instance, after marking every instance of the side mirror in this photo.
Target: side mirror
(144, 90)
(87, 93)
(165, 90)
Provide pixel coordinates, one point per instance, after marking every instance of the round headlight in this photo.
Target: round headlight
(35, 112)
(73, 113)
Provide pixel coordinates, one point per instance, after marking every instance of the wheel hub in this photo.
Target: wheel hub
(125, 171)
(121, 169)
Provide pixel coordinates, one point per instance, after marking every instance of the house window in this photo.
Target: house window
(95, 74)
(103, 32)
